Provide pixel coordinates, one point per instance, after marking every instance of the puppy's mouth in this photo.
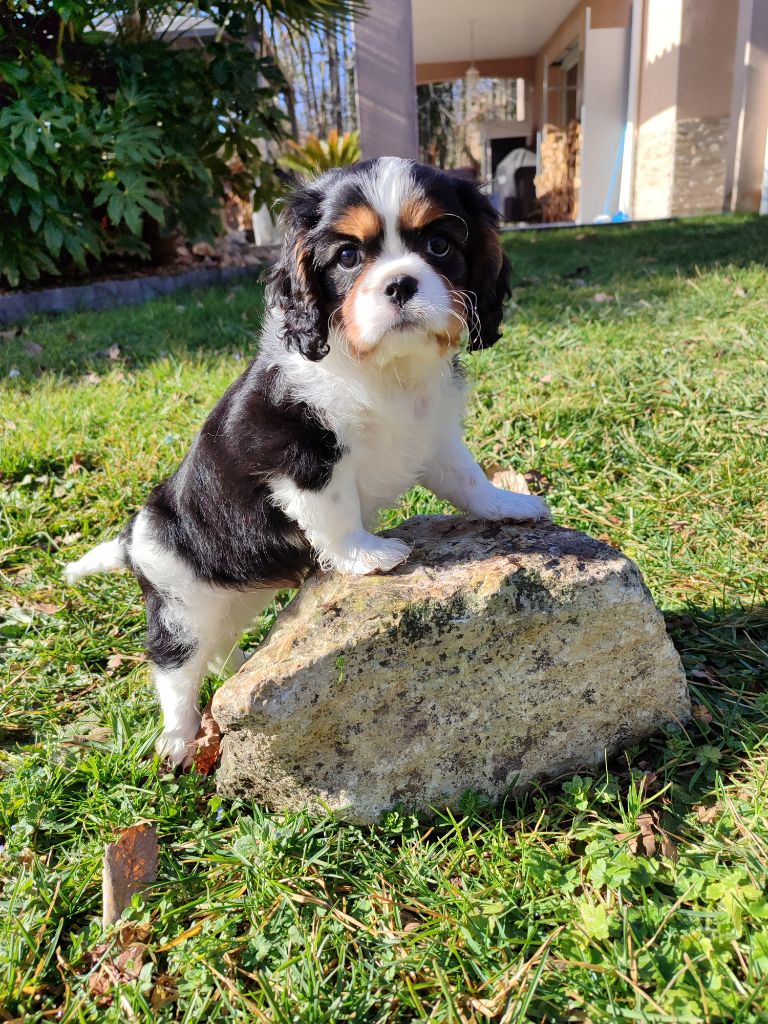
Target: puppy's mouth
(405, 322)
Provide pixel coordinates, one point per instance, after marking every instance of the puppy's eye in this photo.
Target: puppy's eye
(349, 257)
(439, 245)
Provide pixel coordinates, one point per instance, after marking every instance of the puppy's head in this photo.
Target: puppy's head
(390, 258)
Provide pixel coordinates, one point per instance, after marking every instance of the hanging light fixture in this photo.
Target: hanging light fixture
(472, 74)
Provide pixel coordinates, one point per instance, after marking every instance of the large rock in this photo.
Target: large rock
(497, 654)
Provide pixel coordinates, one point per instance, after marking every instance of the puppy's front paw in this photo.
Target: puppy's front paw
(176, 747)
(369, 553)
(517, 507)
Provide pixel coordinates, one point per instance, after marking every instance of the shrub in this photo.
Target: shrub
(316, 155)
(107, 142)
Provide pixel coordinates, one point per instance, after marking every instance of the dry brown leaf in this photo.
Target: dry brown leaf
(163, 992)
(130, 864)
(707, 815)
(669, 850)
(207, 742)
(701, 712)
(644, 845)
(45, 607)
(545, 378)
(110, 972)
(98, 734)
(704, 672)
(510, 480)
(740, 292)
(607, 539)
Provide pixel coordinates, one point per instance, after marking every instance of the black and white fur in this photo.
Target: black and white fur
(355, 395)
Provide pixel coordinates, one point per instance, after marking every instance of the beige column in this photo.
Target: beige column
(749, 109)
(386, 80)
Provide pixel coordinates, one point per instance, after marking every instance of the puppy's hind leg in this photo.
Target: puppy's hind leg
(183, 638)
(245, 608)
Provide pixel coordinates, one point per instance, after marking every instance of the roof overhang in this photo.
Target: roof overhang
(502, 29)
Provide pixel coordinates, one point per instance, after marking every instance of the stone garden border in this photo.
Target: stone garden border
(108, 294)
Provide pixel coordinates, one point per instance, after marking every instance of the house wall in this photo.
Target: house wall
(605, 14)
(655, 138)
(747, 145)
(686, 80)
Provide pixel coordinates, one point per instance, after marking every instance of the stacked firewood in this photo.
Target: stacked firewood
(557, 185)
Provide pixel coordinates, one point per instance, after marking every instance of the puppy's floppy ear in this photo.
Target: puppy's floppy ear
(293, 284)
(489, 268)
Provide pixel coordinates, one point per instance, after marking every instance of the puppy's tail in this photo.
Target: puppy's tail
(104, 557)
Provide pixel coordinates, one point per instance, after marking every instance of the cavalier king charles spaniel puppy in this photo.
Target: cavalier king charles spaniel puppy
(356, 394)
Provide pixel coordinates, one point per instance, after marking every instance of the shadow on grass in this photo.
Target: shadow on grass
(637, 252)
(554, 273)
(188, 324)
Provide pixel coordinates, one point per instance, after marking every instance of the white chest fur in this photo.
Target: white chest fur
(392, 421)
(391, 442)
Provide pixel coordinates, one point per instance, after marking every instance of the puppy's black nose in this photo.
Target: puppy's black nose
(400, 289)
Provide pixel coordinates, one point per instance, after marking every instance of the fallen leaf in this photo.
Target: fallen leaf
(111, 973)
(98, 734)
(707, 815)
(130, 864)
(45, 607)
(602, 297)
(12, 333)
(645, 843)
(91, 378)
(704, 672)
(113, 352)
(701, 712)
(207, 742)
(114, 662)
(669, 850)
(510, 480)
(740, 292)
(163, 992)
(32, 348)
(545, 378)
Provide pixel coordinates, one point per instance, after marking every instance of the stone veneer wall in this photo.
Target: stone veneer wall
(680, 166)
(701, 151)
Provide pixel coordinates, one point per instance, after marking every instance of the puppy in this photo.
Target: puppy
(355, 395)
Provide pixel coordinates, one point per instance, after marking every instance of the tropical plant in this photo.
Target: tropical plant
(110, 138)
(314, 155)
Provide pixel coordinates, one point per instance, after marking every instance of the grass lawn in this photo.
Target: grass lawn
(634, 376)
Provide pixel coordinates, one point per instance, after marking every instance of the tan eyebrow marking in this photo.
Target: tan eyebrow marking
(418, 211)
(360, 222)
